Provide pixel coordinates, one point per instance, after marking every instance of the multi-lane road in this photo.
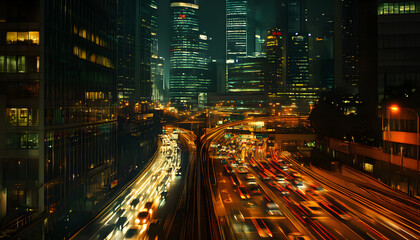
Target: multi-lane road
(156, 194)
(266, 194)
(235, 187)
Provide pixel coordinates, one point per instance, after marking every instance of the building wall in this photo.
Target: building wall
(398, 48)
(59, 137)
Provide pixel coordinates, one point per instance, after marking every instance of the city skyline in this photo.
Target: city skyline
(199, 119)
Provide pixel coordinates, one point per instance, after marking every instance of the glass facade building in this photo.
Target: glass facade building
(276, 67)
(398, 49)
(236, 29)
(246, 75)
(57, 109)
(188, 56)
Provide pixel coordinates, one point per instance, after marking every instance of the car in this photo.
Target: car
(233, 163)
(295, 175)
(227, 169)
(235, 180)
(243, 192)
(121, 223)
(255, 190)
(242, 170)
(311, 207)
(316, 187)
(163, 195)
(297, 236)
(262, 228)
(143, 218)
(237, 215)
(132, 233)
(134, 203)
(298, 184)
(284, 167)
(149, 207)
(280, 178)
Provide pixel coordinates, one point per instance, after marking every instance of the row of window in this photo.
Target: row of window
(400, 149)
(98, 59)
(22, 117)
(31, 37)
(19, 64)
(399, 8)
(22, 141)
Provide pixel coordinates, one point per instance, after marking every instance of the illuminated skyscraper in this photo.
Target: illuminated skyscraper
(236, 29)
(276, 67)
(188, 60)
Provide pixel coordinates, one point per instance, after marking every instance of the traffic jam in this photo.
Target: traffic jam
(265, 196)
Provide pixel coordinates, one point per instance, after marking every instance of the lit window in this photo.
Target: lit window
(21, 64)
(11, 64)
(2, 64)
(11, 37)
(34, 37)
(22, 36)
(11, 116)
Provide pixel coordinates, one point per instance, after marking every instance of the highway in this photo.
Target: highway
(308, 205)
(160, 185)
(234, 186)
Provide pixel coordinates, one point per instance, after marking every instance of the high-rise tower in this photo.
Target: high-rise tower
(236, 29)
(188, 65)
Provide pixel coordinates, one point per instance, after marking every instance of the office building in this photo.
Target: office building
(126, 50)
(188, 56)
(398, 49)
(236, 29)
(356, 56)
(246, 75)
(57, 110)
(276, 63)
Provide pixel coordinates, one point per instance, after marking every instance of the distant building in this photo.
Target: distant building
(398, 48)
(158, 79)
(236, 29)
(57, 110)
(276, 62)
(146, 48)
(356, 55)
(126, 49)
(188, 56)
(137, 46)
(246, 75)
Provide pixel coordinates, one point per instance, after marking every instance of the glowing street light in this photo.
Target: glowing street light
(395, 108)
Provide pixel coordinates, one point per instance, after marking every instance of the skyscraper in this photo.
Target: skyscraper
(276, 62)
(188, 61)
(58, 108)
(293, 18)
(236, 29)
(146, 47)
(126, 49)
(399, 74)
(137, 51)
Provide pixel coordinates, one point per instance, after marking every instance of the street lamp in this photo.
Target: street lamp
(396, 108)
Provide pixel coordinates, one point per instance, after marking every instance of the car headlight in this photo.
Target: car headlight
(137, 221)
